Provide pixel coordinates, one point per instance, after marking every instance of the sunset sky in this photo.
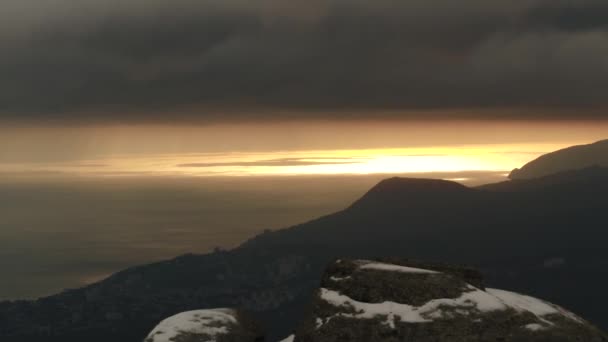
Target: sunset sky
(280, 149)
(268, 87)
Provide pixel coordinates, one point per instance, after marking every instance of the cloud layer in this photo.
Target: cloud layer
(272, 59)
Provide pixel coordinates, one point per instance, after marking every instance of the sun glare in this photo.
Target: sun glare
(373, 161)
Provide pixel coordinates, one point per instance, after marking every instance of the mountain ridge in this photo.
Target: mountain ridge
(397, 190)
(578, 177)
(567, 159)
(274, 274)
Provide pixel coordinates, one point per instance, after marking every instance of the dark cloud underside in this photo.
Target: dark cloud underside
(123, 60)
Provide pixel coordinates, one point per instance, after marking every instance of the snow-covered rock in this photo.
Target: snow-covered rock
(289, 338)
(403, 301)
(213, 325)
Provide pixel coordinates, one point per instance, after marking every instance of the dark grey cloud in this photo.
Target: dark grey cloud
(571, 16)
(271, 59)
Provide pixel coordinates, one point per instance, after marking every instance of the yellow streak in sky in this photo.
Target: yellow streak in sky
(500, 157)
(393, 161)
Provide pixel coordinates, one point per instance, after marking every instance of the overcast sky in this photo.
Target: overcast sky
(144, 60)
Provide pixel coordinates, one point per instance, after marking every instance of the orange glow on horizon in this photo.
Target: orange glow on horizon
(286, 149)
(503, 157)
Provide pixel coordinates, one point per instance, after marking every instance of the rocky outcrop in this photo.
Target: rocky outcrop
(214, 325)
(407, 301)
(568, 159)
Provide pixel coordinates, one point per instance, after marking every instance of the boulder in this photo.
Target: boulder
(368, 301)
(213, 325)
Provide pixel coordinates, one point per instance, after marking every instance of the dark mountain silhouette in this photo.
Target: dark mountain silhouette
(571, 158)
(410, 191)
(583, 178)
(544, 237)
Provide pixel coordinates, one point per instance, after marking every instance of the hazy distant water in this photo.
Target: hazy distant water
(57, 234)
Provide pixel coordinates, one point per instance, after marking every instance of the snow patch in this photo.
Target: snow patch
(474, 299)
(205, 322)
(534, 327)
(289, 338)
(368, 310)
(536, 306)
(370, 265)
